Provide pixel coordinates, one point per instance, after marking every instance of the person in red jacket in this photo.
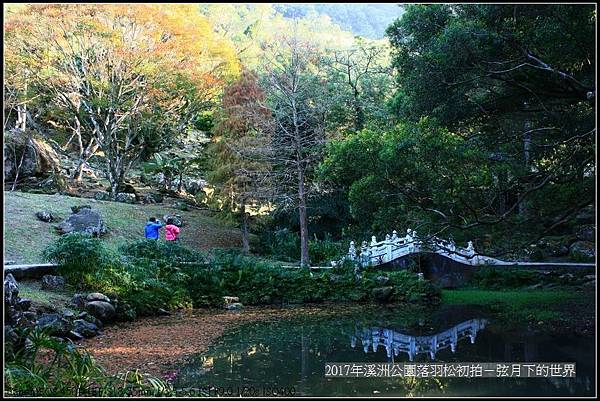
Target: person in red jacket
(171, 231)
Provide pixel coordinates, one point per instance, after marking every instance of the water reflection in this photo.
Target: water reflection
(395, 342)
(292, 353)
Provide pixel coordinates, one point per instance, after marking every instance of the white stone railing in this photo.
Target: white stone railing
(394, 247)
(395, 342)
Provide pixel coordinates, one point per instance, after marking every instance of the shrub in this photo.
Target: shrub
(80, 257)
(324, 251)
(172, 251)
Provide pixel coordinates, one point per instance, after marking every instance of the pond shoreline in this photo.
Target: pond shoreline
(155, 344)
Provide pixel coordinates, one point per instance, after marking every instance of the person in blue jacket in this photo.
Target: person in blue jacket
(152, 227)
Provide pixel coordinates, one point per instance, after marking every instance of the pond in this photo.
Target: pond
(288, 356)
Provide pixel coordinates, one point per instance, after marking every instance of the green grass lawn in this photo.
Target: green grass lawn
(42, 300)
(25, 237)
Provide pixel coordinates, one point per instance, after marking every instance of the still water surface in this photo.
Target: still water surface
(292, 353)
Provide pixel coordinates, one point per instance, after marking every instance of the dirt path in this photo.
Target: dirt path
(155, 345)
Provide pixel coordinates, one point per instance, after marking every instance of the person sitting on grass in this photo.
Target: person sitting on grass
(152, 227)
(171, 231)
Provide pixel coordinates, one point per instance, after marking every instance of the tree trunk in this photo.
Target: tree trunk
(245, 239)
(359, 115)
(526, 157)
(304, 257)
(180, 185)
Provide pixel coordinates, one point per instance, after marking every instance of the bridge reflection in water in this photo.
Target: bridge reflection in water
(395, 342)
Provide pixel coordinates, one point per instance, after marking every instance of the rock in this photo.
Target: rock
(24, 304)
(335, 278)
(75, 336)
(92, 319)
(382, 280)
(153, 198)
(11, 290)
(29, 315)
(68, 314)
(53, 283)
(102, 196)
(125, 197)
(591, 283)
(39, 158)
(194, 186)
(177, 219)
(85, 220)
(104, 311)
(586, 233)
(85, 328)
(230, 300)
(590, 277)
(162, 312)
(566, 276)
(234, 306)
(45, 216)
(77, 209)
(78, 301)
(382, 294)
(582, 250)
(54, 322)
(96, 296)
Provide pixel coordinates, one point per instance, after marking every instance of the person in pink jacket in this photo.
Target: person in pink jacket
(171, 231)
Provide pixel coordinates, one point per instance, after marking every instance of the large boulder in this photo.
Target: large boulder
(11, 290)
(101, 310)
(85, 220)
(85, 328)
(382, 294)
(97, 296)
(39, 158)
(44, 216)
(55, 323)
(194, 186)
(53, 283)
(16, 312)
(582, 251)
(125, 197)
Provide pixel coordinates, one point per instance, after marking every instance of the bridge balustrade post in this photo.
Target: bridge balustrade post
(352, 251)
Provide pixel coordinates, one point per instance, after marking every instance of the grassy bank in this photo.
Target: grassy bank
(25, 237)
(43, 300)
(566, 308)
